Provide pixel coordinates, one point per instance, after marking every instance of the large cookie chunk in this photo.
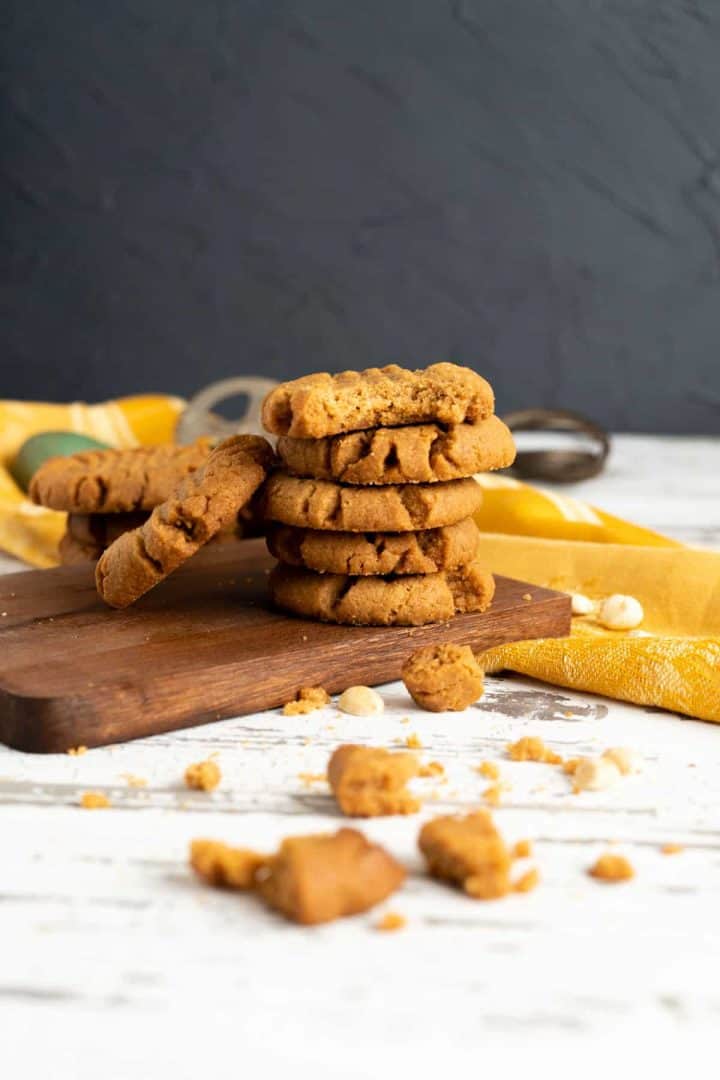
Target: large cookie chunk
(204, 503)
(423, 552)
(322, 404)
(323, 504)
(116, 481)
(423, 453)
(378, 601)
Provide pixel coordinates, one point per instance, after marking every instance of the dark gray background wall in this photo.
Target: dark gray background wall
(195, 188)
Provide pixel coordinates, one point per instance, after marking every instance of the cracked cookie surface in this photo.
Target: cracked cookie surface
(382, 601)
(423, 453)
(116, 481)
(204, 503)
(322, 404)
(324, 504)
(362, 554)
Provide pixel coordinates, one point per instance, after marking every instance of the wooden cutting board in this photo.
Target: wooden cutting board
(202, 646)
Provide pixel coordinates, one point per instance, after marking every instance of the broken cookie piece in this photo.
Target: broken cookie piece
(469, 852)
(308, 699)
(203, 775)
(314, 879)
(531, 748)
(370, 782)
(443, 678)
(224, 866)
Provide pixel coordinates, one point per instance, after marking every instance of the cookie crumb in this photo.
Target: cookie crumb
(527, 596)
(223, 866)
(489, 769)
(391, 920)
(309, 778)
(570, 765)
(527, 881)
(443, 678)
(523, 849)
(134, 781)
(413, 742)
(468, 851)
(611, 868)
(531, 748)
(671, 849)
(432, 768)
(203, 775)
(77, 751)
(627, 760)
(94, 800)
(307, 700)
(595, 774)
(370, 781)
(494, 793)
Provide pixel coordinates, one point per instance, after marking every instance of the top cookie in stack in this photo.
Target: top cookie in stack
(373, 507)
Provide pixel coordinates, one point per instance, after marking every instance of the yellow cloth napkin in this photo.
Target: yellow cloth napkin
(566, 544)
(31, 532)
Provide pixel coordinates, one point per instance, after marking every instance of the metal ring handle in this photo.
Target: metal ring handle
(559, 466)
(199, 419)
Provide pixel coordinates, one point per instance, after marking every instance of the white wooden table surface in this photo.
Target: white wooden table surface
(115, 962)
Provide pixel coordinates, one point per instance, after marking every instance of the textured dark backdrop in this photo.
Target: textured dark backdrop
(194, 188)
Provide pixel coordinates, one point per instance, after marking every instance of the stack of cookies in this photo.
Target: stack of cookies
(372, 510)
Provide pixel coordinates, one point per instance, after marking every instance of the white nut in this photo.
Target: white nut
(360, 701)
(595, 774)
(581, 604)
(627, 760)
(620, 612)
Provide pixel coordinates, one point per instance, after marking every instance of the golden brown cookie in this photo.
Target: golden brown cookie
(322, 404)
(313, 879)
(424, 453)
(361, 554)
(369, 781)
(468, 851)
(378, 601)
(323, 504)
(204, 503)
(87, 535)
(443, 678)
(115, 481)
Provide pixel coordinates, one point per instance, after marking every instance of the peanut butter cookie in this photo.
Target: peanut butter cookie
(323, 504)
(443, 678)
(361, 554)
(322, 404)
(424, 453)
(87, 535)
(468, 851)
(314, 879)
(116, 481)
(204, 503)
(369, 781)
(376, 601)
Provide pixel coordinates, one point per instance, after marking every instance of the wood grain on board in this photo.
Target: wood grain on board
(204, 645)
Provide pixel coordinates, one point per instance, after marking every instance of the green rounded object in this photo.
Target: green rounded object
(38, 448)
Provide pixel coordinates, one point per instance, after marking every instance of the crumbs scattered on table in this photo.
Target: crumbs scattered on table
(432, 768)
(77, 751)
(527, 881)
(370, 781)
(134, 781)
(307, 700)
(612, 868)
(531, 748)
(489, 769)
(391, 920)
(223, 866)
(308, 778)
(413, 742)
(94, 800)
(523, 849)
(203, 775)
(494, 793)
(672, 849)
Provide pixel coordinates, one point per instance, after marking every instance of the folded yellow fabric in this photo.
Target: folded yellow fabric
(31, 532)
(578, 548)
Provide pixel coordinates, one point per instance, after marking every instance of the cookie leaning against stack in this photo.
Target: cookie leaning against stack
(372, 510)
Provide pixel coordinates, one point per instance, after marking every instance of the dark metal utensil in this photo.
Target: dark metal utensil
(562, 466)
